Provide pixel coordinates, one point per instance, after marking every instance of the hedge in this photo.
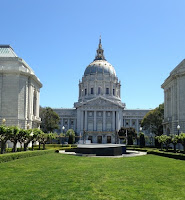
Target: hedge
(179, 156)
(13, 156)
(155, 151)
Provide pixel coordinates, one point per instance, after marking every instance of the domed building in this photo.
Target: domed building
(99, 113)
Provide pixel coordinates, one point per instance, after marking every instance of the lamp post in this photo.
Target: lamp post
(151, 139)
(63, 128)
(3, 121)
(126, 137)
(28, 127)
(178, 128)
(140, 129)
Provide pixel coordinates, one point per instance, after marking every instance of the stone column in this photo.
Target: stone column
(113, 120)
(117, 120)
(87, 89)
(61, 124)
(86, 120)
(137, 126)
(103, 88)
(82, 121)
(26, 105)
(30, 100)
(95, 88)
(111, 88)
(178, 101)
(74, 124)
(130, 123)
(80, 91)
(68, 123)
(95, 121)
(37, 105)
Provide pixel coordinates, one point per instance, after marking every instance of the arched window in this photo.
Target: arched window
(92, 90)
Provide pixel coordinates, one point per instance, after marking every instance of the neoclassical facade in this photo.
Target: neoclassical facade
(99, 112)
(174, 100)
(19, 91)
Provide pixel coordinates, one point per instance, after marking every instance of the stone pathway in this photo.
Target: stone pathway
(130, 153)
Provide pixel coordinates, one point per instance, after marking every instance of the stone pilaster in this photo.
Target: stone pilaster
(85, 120)
(104, 120)
(113, 120)
(95, 121)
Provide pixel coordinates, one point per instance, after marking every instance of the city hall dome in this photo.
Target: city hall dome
(100, 65)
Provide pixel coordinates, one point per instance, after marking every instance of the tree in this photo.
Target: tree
(43, 137)
(182, 140)
(174, 140)
(14, 137)
(71, 135)
(27, 138)
(130, 133)
(38, 135)
(50, 119)
(51, 137)
(4, 136)
(164, 140)
(36, 132)
(153, 120)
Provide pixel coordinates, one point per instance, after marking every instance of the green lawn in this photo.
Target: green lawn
(57, 176)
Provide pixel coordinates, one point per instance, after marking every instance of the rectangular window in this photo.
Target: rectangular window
(85, 91)
(114, 92)
(92, 91)
(107, 90)
(99, 90)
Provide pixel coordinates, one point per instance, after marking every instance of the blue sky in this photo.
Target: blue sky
(144, 40)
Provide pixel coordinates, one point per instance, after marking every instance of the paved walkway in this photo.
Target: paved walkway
(129, 153)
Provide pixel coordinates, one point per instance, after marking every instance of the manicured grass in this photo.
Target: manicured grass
(56, 176)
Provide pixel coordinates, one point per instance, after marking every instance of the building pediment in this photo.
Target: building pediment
(180, 68)
(100, 102)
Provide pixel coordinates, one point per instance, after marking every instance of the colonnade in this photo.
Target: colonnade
(115, 118)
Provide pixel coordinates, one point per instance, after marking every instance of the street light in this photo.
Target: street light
(28, 126)
(151, 139)
(3, 121)
(63, 128)
(178, 128)
(140, 129)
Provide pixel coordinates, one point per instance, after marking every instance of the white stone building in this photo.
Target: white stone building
(174, 100)
(19, 91)
(99, 112)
